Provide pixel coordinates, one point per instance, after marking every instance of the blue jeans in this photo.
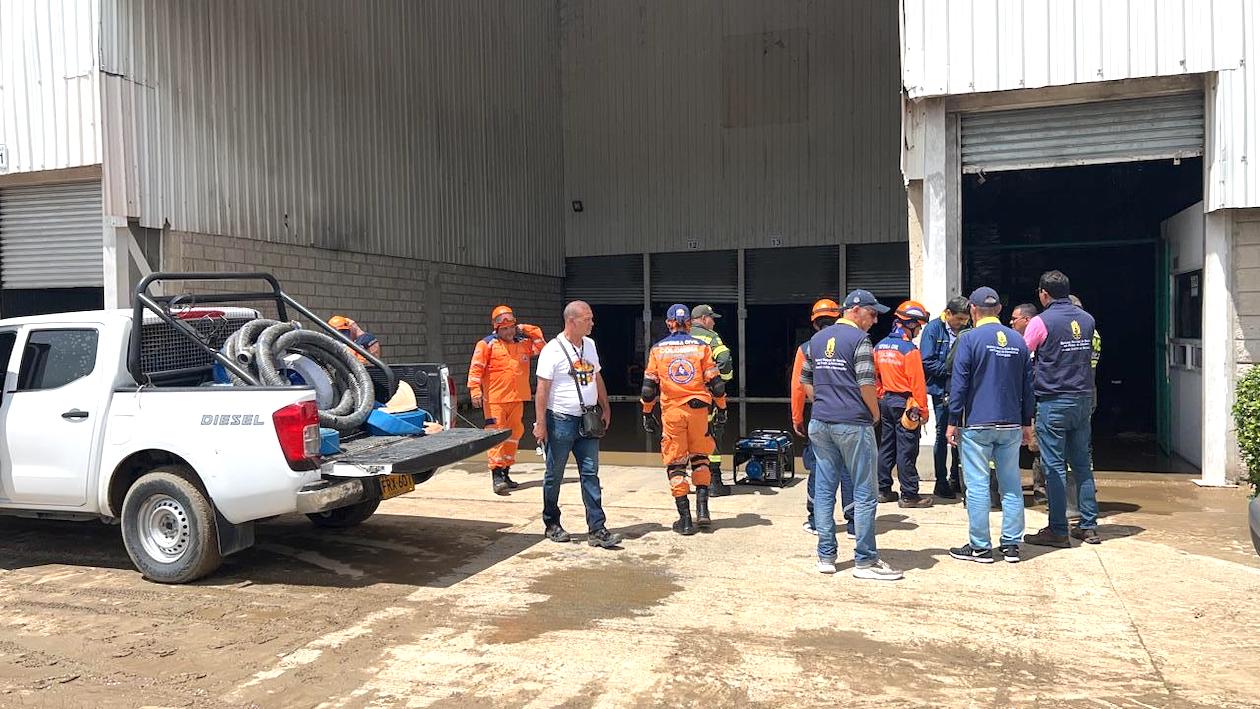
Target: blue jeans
(941, 448)
(563, 438)
(846, 489)
(979, 446)
(843, 450)
(1063, 434)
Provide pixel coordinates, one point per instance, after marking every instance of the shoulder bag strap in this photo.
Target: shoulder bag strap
(572, 369)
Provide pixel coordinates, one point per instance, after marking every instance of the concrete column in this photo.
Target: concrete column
(914, 210)
(1219, 324)
(935, 208)
(116, 246)
(939, 250)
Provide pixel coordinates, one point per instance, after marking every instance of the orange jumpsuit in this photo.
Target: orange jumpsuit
(682, 366)
(500, 373)
(797, 388)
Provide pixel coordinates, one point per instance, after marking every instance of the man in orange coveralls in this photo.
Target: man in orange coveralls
(498, 380)
(903, 406)
(681, 371)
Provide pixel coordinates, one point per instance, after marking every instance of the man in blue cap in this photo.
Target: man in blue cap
(990, 405)
(839, 378)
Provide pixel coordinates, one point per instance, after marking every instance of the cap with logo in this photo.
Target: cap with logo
(704, 311)
(984, 297)
(864, 299)
(678, 313)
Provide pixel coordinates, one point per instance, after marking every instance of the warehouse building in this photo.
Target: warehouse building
(1116, 142)
(415, 164)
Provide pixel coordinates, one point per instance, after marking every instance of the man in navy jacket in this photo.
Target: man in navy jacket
(1062, 337)
(935, 342)
(990, 405)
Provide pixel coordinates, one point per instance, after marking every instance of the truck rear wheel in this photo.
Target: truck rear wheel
(343, 517)
(168, 527)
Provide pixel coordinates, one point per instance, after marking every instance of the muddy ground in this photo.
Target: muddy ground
(450, 596)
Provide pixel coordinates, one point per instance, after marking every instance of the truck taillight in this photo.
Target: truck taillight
(297, 429)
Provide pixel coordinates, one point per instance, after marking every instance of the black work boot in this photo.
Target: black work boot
(702, 507)
(716, 487)
(684, 526)
(512, 484)
(498, 481)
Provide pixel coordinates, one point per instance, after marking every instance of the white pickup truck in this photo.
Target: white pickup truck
(185, 469)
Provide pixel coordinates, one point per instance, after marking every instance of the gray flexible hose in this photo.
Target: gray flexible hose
(260, 344)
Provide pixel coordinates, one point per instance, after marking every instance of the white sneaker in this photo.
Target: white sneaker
(826, 567)
(808, 528)
(879, 570)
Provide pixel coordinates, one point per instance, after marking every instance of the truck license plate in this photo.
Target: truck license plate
(395, 485)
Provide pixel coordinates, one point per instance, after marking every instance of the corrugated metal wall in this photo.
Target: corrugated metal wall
(718, 124)
(50, 236)
(1234, 120)
(426, 130)
(49, 85)
(967, 46)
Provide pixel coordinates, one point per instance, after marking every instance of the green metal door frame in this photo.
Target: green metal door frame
(1163, 324)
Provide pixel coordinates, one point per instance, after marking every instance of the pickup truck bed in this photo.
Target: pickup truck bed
(406, 454)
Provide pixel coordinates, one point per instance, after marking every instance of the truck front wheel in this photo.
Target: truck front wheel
(168, 527)
(343, 517)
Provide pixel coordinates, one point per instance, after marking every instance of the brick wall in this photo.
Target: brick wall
(1246, 288)
(420, 310)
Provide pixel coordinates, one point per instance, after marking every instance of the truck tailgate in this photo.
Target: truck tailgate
(377, 455)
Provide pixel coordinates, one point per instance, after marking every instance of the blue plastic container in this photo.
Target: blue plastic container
(329, 441)
(410, 423)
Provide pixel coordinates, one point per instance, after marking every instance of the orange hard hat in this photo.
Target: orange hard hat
(502, 315)
(340, 322)
(825, 308)
(912, 310)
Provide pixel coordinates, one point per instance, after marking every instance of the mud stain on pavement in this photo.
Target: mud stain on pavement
(577, 598)
(917, 662)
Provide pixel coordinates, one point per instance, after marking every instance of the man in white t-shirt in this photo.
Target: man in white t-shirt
(568, 379)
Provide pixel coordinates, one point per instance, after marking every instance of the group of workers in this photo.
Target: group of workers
(997, 382)
(860, 406)
(686, 372)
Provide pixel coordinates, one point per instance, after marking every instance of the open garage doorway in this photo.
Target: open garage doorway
(1099, 224)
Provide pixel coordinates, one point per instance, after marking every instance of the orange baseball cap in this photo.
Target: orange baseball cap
(340, 322)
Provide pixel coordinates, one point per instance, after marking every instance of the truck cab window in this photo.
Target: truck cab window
(7, 340)
(54, 358)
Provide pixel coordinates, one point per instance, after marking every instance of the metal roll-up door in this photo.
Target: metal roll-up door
(1152, 128)
(694, 277)
(795, 275)
(882, 269)
(50, 236)
(605, 280)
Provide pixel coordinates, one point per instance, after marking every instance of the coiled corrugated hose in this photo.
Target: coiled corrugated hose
(260, 344)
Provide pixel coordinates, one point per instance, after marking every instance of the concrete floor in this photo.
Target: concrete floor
(451, 597)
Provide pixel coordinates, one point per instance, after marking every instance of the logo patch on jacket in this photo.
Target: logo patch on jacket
(1076, 330)
(830, 351)
(681, 371)
(1001, 339)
